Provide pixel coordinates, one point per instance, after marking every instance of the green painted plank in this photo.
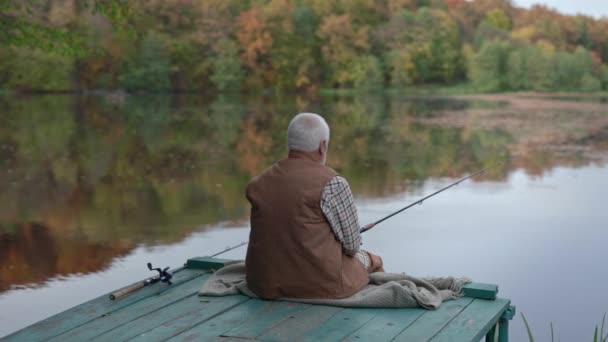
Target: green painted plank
(83, 313)
(174, 319)
(387, 324)
(341, 325)
(481, 291)
(224, 322)
(207, 263)
(474, 321)
(432, 321)
(272, 315)
(300, 323)
(115, 319)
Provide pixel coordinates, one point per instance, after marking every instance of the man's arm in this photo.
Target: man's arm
(338, 206)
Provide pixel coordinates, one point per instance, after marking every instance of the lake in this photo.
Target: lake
(94, 187)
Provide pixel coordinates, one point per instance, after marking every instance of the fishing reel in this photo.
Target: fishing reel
(163, 275)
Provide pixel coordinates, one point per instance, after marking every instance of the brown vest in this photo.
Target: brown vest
(292, 251)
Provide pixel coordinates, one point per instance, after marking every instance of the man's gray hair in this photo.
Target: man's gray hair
(306, 131)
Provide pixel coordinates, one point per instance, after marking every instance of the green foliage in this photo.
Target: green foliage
(367, 73)
(231, 45)
(294, 56)
(8, 230)
(529, 68)
(489, 69)
(190, 66)
(438, 55)
(227, 71)
(400, 68)
(497, 18)
(149, 68)
(604, 76)
(590, 83)
(421, 47)
(501, 65)
(575, 71)
(23, 24)
(26, 69)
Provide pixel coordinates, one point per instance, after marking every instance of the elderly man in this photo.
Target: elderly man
(304, 240)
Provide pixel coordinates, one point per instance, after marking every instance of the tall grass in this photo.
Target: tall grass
(598, 335)
(530, 337)
(601, 337)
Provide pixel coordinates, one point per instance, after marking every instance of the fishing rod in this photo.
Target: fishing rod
(229, 249)
(164, 276)
(373, 224)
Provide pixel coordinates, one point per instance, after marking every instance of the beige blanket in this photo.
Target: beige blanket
(385, 290)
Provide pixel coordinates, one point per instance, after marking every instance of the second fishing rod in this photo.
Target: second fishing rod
(418, 202)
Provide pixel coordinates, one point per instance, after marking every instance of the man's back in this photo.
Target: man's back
(292, 250)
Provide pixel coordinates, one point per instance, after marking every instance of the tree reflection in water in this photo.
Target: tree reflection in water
(84, 180)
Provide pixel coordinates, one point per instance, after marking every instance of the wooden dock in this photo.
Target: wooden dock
(176, 313)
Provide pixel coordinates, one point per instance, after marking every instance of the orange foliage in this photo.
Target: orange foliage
(253, 144)
(254, 37)
(394, 6)
(341, 38)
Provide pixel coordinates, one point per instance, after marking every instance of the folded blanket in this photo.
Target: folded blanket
(385, 290)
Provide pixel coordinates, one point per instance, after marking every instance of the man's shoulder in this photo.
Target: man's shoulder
(269, 170)
(336, 184)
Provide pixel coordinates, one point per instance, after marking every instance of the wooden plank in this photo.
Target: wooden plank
(300, 323)
(115, 319)
(341, 325)
(174, 319)
(481, 291)
(387, 324)
(474, 321)
(207, 263)
(86, 312)
(431, 322)
(272, 315)
(224, 322)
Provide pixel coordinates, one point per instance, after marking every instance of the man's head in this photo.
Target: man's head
(308, 132)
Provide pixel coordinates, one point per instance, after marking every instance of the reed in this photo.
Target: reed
(598, 335)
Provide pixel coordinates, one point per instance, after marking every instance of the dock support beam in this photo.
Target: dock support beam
(502, 325)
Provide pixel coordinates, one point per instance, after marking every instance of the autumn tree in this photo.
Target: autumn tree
(256, 43)
(342, 47)
(149, 68)
(489, 68)
(497, 18)
(295, 45)
(226, 65)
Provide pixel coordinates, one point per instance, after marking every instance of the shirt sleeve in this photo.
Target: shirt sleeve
(338, 206)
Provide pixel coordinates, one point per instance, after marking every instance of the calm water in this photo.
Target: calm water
(92, 188)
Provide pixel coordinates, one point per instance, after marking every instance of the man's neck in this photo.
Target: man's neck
(312, 156)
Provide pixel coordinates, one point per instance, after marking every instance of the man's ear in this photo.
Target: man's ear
(323, 147)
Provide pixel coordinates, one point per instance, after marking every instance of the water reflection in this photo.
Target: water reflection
(84, 180)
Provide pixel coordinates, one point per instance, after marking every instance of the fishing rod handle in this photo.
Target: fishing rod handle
(125, 291)
(367, 227)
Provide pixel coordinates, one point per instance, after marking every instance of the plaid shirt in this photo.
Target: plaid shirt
(338, 206)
